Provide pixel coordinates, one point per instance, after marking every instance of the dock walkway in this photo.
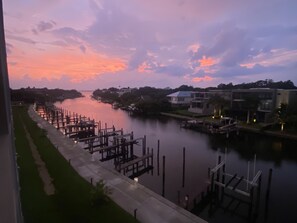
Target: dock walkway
(151, 207)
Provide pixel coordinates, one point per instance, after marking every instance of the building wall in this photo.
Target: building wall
(10, 210)
(180, 100)
(288, 97)
(200, 102)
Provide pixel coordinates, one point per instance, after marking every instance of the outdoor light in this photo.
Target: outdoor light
(136, 179)
(75, 141)
(254, 120)
(221, 116)
(282, 126)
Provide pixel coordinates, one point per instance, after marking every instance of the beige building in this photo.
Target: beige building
(285, 97)
(200, 103)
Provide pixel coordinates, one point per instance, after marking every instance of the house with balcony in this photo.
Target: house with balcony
(259, 101)
(180, 98)
(287, 96)
(203, 103)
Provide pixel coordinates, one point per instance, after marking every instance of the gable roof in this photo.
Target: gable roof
(180, 94)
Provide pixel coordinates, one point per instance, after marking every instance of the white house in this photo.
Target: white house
(180, 98)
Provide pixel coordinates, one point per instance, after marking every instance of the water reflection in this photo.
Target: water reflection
(201, 153)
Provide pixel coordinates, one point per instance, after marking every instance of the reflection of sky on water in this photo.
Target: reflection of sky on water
(202, 151)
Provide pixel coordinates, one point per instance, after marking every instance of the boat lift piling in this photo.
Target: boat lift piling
(109, 142)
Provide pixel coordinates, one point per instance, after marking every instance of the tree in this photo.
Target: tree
(282, 115)
(219, 103)
(250, 104)
(100, 193)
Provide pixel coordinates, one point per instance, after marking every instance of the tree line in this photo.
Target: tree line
(42, 95)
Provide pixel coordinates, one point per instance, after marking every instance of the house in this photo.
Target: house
(267, 100)
(202, 105)
(199, 103)
(180, 98)
(287, 97)
(125, 90)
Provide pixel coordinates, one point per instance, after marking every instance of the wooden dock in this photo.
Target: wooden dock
(111, 143)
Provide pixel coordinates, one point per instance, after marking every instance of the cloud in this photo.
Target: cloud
(168, 40)
(82, 48)
(202, 79)
(21, 39)
(231, 44)
(43, 26)
(75, 66)
(206, 62)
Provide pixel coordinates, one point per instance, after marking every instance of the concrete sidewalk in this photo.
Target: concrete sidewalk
(151, 207)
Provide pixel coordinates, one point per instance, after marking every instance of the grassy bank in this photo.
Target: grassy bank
(72, 200)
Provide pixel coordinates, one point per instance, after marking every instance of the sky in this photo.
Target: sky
(90, 44)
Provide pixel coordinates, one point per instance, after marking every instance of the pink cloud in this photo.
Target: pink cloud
(207, 61)
(202, 79)
(52, 65)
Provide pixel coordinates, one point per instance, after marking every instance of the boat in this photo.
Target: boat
(225, 126)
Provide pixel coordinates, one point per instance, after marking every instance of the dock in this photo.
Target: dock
(133, 197)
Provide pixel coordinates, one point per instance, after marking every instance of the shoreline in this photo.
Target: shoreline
(241, 128)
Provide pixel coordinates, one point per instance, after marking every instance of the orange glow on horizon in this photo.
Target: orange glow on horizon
(53, 65)
(201, 79)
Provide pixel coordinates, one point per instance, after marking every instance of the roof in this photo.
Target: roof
(180, 94)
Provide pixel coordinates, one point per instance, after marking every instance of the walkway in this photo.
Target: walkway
(48, 186)
(151, 207)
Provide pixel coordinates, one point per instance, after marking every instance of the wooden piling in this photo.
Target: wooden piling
(163, 178)
(152, 161)
(184, 167)
(268, 187)
(143, 145)
(158, 158)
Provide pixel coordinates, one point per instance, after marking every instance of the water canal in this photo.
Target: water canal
(202, 151)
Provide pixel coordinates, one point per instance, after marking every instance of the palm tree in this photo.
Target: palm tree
(282, 114)
(250, 104)
(219, 104)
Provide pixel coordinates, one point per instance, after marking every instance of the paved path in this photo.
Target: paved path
(151, 207)
(48, 186)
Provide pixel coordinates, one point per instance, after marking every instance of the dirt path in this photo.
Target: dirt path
(42, 170)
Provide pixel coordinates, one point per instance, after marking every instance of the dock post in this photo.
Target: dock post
(158, 158)
(143, 145)
(223, 181)
(258, 196)
(152, 162)
(218, 177)
(184, 166)
(251, 203)
(268, 194)
(131, 145)
(163, 178)
(211, 194)
(147, 163)
(178, 197)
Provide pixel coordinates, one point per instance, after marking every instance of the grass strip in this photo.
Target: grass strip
(72, 200)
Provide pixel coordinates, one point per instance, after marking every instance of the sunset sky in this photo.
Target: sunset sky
(89, 44)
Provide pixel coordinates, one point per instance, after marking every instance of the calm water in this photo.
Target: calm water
(201, 152)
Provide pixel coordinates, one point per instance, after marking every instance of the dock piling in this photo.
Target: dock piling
(184, 167)
(163, 178)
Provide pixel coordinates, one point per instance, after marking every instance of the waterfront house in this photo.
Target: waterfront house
(180, 98)
(267, 101)
(203, 103)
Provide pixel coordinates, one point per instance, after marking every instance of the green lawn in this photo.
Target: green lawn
(72, 200)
